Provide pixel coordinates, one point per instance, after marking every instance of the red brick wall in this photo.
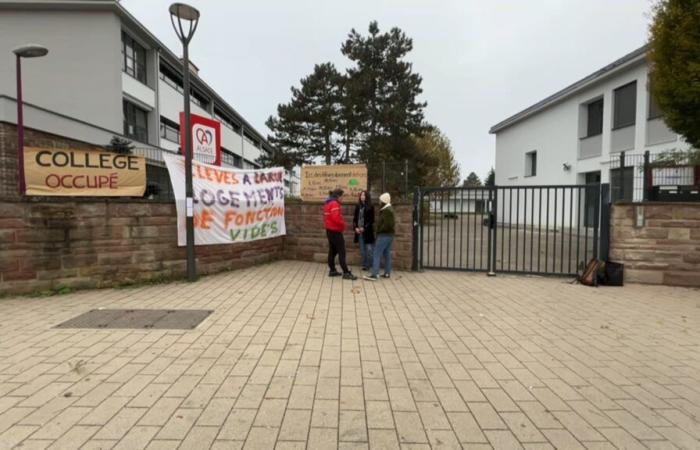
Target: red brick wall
(306, 237)
(45, 245)
(51, 242)
(666, 250)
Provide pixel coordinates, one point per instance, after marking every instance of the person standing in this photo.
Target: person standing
(363, 224)
(386, 225)
(335, 225)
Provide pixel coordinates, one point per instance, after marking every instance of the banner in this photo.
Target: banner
(92, 173)
(229, 205)
(206, 139)
(316, 181)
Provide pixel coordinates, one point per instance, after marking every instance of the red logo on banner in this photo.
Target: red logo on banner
(206, 139)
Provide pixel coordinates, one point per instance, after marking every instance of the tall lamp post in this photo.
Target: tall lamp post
(185, 19)
(25, 51)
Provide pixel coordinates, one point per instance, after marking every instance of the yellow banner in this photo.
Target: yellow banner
(316, 181)
(90, 173)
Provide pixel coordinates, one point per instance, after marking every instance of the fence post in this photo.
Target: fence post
(604, 222)
(405, 171)
(622, 176)
(493, 226)
(647, 177)
(416, 223)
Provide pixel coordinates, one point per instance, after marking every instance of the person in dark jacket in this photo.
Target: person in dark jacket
(335, 225)
(363, 224)
(386, 225)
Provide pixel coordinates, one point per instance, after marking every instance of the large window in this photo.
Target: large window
(531, 164)
(594, 126)
(225, 120)
(133, 58)
(625, 105)
(169, 130)
(135, 122)
(230, 158)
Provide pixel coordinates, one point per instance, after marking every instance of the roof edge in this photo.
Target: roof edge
(612, 68)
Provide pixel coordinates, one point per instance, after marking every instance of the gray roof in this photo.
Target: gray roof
(630, 58)
(168, 55)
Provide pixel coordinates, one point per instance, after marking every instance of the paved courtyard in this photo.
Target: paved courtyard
(293, 359)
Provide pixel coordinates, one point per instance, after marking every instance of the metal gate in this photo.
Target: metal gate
(517, 229)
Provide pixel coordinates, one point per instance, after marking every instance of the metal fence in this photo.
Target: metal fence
(551, 230)
(394, 177)
(649, 176)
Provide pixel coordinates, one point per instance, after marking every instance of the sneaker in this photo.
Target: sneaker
(365, 269)
(386, 275)
(334, 273)
(349, 276)
(371, 277)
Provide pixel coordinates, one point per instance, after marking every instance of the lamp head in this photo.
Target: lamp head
(30, 51)
(187, 14)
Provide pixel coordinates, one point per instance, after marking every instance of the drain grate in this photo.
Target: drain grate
(138, 319)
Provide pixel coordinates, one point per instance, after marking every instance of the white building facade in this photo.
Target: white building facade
(106, 75)
(570, 137)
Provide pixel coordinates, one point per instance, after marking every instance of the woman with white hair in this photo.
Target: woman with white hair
(385, 237)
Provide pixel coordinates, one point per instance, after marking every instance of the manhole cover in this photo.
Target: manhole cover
(137, 319)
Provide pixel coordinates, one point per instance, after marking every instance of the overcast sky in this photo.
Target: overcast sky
(481, 61)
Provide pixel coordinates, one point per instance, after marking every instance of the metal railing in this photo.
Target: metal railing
(654, 177)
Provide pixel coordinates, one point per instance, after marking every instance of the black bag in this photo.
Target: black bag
(612, 274)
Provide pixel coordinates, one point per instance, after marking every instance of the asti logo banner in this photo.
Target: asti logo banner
(206, 139)
(229, 205)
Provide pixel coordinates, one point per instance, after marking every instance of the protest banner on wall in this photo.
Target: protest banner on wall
(229, 205)
(316, 181)
(94, 173)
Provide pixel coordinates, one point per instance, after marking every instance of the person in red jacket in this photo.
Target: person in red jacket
(335, 225)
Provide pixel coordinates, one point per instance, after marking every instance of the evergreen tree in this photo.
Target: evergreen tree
(384, 91)
(490, 180)
(306, 128)
(472, 180)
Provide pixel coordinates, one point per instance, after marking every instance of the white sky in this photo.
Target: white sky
(481, 61)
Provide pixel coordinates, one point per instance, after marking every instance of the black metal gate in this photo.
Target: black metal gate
(517, 229)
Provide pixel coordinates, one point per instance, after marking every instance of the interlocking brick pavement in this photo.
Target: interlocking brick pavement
(293, 359)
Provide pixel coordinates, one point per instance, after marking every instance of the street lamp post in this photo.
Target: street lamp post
(25, 51)
(188, 15)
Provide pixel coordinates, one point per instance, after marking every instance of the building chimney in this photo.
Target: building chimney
(193, 68)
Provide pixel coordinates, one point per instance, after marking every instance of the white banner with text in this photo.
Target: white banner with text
(229, 205)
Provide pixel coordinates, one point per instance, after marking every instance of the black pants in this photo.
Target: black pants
(336, 246)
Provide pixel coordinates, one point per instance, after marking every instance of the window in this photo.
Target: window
(230, 158)
(171, 80)
(225, 120)
(133, 58)
(198, 99)
(654, 111)
(135, 122)
(169, 130)
(625, 105)
(531, 164)
(595, 118)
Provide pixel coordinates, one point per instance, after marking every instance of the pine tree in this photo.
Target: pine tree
(472, 180)
(306, 128)
(490, 180)
(384, 91)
